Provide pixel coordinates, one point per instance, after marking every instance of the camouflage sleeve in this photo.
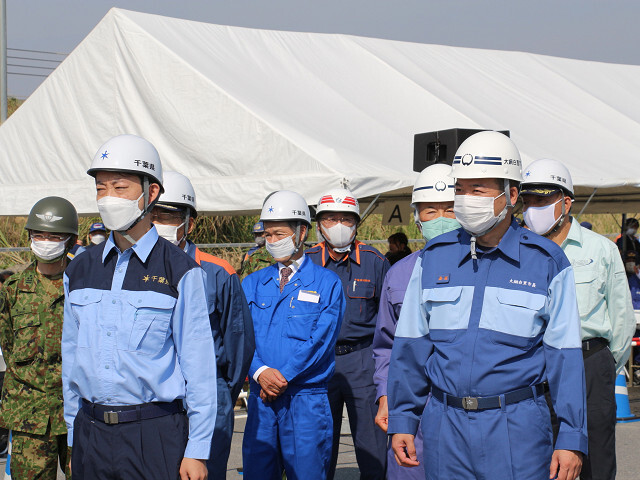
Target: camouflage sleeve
(6, 328)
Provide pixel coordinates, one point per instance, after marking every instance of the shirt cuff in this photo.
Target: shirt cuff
(572, 441)
(258, 372)
(69, 437)
(198, 450)
(403, 424)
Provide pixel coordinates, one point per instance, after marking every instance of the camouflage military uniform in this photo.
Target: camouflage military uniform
(31, 313)
(255, 259)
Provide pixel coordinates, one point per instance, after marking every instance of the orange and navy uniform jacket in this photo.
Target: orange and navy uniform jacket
(362, 274)
(230, 319)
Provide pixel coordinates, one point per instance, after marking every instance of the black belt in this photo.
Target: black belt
(593, 345)
(114, 414)
(345, 348)
(484, 403)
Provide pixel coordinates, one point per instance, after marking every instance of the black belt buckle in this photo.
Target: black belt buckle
(110, 418)
(470, 403)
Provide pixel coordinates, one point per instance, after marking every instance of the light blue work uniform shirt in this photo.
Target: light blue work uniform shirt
(136, 330)
(604, 299)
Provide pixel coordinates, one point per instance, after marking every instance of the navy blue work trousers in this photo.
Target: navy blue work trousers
(221, 442)
(147, 450)
(352, 384)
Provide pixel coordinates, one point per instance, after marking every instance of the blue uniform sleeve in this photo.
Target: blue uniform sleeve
(237, 333)
(383, 339)
(564, 363)
(249, 287)
(69, 343)
(408, 385)
(323, 335)
(196, 355)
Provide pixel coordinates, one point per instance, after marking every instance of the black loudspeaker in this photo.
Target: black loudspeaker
(439, 147)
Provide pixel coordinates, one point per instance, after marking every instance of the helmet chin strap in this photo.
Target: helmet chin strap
(501, 216)
(559, 222)
(145, 210)
(297, 243)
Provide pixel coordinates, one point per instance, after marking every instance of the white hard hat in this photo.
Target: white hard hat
(338, 200)
(178, 192)
(285, 205)
(130, 154)
(546, 173)
(487, 155)
(434, 184)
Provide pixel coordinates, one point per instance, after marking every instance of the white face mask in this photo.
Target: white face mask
(339, 236)
(475, 213)
(282, 249)
(98, 239)
(631, 232)
(169, 232)
(541, 220)
(119, 213)
(47, 251)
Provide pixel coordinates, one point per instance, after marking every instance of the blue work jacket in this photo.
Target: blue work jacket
(485, 327)
(136, 330)
(296, 330)
(362, 273)
(230, 319)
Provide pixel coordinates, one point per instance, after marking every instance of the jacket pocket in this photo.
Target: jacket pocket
(26, 338)
(85, 308)
(518, 321)
(147, 334)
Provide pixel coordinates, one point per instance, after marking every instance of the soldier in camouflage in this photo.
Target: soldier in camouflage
(31, 312)
(257, 257)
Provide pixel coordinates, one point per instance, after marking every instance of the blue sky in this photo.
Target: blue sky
(583, 29)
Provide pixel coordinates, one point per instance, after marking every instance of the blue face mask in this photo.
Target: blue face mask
(438, 226)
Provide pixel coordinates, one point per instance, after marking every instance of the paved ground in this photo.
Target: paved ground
(627, 442)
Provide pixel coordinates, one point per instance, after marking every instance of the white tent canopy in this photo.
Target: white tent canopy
(244, 112)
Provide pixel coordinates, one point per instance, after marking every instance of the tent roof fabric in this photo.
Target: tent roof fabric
(243, 112)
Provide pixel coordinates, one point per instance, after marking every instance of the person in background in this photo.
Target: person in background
(398, 247)
(432, 201)
(31, 315)
(297, 309)
(174, 218)
(489, 316)
(361, 269)
(137, 349)
(632, 242)
(604, 303)
(586, 225)
(97, 234)
(257, 257)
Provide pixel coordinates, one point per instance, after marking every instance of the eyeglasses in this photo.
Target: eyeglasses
(332, 220)
(52, 237)
(167, 217)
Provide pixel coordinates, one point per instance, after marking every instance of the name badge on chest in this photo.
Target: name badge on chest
(308, 296)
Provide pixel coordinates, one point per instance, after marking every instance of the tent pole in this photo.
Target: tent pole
(585, 205)
(3, 61)
(370, 208)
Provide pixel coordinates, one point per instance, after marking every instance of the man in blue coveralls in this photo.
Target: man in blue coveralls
(297, 309)
(361, 269)
(604, 303)
(174, 218)
(432, 200)
(137, 347)
(489, 316)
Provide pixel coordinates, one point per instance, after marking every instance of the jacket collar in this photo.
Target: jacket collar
(142, 248)
(509, 244)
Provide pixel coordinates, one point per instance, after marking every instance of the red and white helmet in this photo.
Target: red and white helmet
(338, 200)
